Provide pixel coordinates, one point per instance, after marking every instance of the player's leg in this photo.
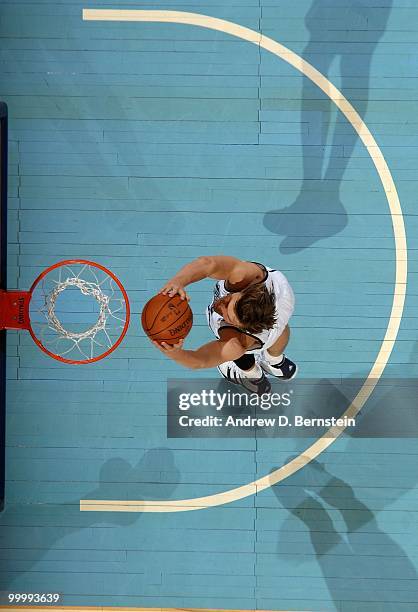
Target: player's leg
(246, 372)
(274, 362)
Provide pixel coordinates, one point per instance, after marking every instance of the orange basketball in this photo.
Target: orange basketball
(167, 319)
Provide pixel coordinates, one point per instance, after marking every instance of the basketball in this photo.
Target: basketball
(167, 319)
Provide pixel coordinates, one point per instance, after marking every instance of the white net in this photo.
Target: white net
(78, 312)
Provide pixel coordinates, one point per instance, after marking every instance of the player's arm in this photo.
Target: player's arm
(219, 267)
(207, 356)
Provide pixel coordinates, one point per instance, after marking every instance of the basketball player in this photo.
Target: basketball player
(249, 316)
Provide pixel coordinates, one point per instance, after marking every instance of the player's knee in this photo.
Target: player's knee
(281, 342)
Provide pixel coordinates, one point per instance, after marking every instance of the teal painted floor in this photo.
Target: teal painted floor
(142, 146)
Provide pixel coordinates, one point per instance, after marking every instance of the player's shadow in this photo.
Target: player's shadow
(321, 501)
(342, 527)
(348, 33)
(43, 526)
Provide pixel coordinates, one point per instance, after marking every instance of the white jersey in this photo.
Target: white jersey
(275, 282)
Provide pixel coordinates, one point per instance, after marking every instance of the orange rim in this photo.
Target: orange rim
(125, 297)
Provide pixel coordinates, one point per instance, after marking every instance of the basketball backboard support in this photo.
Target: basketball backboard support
(3, 285)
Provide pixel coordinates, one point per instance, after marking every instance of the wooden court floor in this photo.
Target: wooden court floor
(142, 145)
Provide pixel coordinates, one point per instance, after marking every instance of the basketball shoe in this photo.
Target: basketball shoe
(283, 369)
(256, 383)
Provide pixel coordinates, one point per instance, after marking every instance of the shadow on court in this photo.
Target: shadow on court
(354, 558)
(359, 561)
(349, 34)
(39, 528)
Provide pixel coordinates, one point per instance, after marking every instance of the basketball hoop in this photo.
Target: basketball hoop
(76, 311)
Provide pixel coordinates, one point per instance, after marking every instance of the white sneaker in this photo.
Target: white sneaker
(284, 370)
(234, 374)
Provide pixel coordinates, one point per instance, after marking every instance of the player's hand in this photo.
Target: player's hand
(173, 287)
(169, 348)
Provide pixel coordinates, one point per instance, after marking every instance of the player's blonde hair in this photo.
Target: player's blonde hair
(256, 308)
